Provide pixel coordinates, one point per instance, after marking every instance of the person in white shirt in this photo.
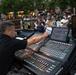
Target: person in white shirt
(49, 26)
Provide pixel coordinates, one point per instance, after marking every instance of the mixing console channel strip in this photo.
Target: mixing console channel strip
(39, 44)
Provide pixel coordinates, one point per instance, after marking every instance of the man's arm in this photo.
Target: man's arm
(36, 39)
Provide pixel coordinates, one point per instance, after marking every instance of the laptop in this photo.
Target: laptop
(59, 34)
(24, 34)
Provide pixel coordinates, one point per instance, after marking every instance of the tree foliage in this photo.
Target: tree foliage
(63, 4)
(16, 5)
(52, 4)
(5, 6)
(72, 3)
(30, 5)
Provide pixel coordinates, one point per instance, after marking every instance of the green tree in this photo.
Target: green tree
(62, 4)
(5, 6)
(72, 3)
(16, 5)
(52, 4)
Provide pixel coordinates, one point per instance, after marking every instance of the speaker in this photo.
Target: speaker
(74, 26)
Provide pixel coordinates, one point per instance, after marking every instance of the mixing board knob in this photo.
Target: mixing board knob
(53, 65)
(46, 64)
(47, 71)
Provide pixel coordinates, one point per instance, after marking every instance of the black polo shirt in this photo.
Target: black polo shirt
(8, 46)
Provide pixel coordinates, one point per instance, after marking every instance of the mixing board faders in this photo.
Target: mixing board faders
(56, 49)
(42, 64)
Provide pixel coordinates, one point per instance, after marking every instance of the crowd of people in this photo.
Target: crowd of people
(53, 20)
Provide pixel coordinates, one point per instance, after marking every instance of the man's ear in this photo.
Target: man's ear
(7, 31)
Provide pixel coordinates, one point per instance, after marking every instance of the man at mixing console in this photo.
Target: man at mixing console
(8, 45)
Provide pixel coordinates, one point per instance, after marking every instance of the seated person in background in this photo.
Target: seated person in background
(49, 27)
(28, 25)
(64, 21)
(39, 26)
(52, 22)
(9, 45)
(35, 25)
(58, 22)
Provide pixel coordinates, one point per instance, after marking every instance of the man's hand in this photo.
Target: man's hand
(26, 54)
